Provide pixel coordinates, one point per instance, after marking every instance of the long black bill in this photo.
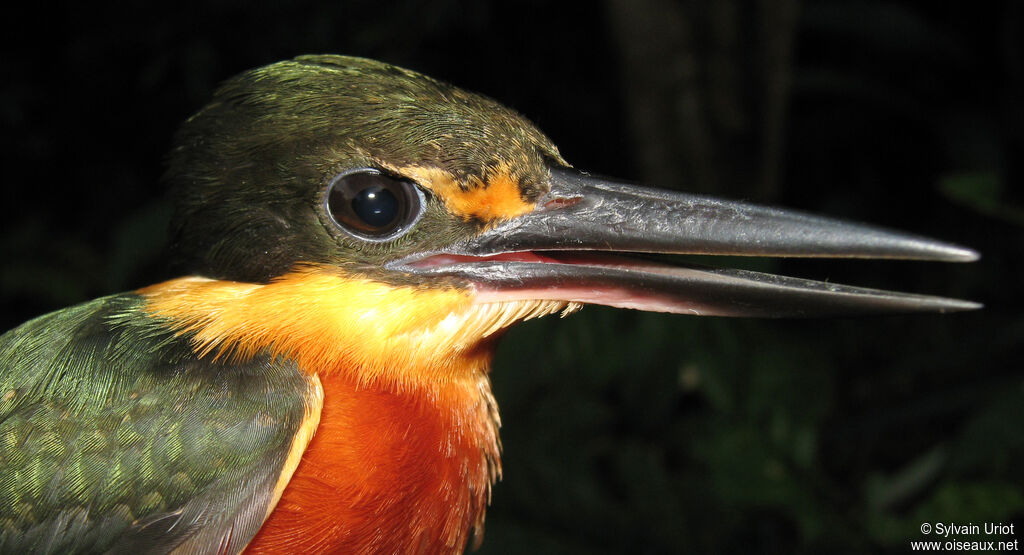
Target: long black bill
(561, 251)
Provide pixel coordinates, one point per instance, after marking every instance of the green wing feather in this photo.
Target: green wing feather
(114, 437)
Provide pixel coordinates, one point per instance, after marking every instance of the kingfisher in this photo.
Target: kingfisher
(356, 238)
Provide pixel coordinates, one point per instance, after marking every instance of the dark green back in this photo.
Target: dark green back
(114, 437)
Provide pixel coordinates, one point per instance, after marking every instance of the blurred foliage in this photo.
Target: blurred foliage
(623, 432)
(982, 192)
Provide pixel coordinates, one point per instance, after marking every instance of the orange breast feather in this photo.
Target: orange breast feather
(387, 473)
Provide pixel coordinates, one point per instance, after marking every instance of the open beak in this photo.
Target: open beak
(569, 248)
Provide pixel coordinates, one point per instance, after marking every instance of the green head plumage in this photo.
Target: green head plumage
(251, 169)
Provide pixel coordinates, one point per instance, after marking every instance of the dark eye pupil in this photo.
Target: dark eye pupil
(376, 206)
(372, 205)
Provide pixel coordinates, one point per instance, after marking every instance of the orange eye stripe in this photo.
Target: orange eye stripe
(498, 196)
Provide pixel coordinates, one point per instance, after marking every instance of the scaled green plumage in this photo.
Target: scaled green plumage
(114, 437)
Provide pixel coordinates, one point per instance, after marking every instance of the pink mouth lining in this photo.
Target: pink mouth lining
(606, 293)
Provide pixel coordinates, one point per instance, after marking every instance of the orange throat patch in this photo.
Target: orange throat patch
(407, 448)
(393, 337)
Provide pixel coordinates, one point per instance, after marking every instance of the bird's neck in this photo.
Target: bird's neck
(406, 449)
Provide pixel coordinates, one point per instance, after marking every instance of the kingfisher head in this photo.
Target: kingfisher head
(378, 211)
(350, 163)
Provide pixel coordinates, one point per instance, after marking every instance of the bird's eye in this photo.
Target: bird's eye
(373, 206)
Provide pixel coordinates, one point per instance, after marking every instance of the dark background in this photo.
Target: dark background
(629, 432)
